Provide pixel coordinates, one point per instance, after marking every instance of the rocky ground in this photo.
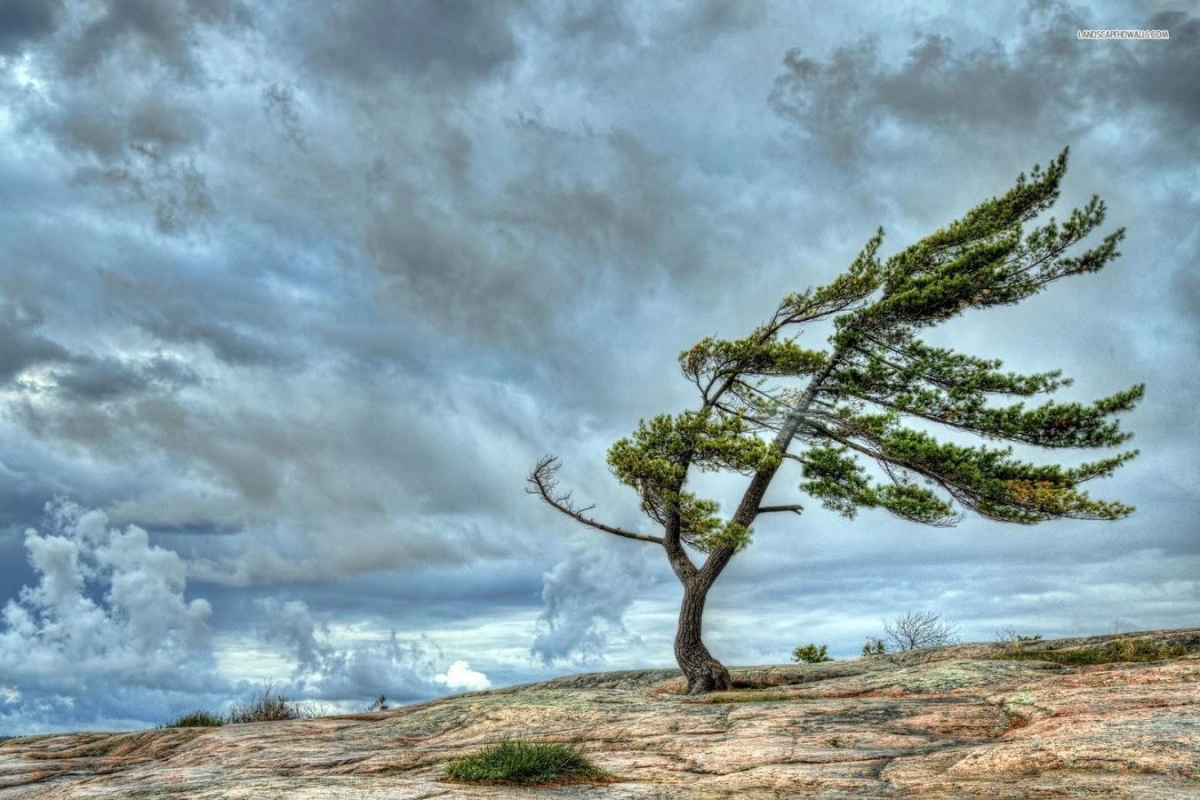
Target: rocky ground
(953, 722)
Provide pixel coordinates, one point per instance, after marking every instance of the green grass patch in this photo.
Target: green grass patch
(1121, 650)
(526, 763)
(196, 719)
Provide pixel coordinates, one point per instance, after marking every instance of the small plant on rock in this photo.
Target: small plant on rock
(196, 719)
(525, 763)
(267, 706)
(917, 629)
(874, 647)
(811, 654)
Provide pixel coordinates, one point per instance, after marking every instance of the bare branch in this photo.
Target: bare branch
(769, 509)
(917, 629)
(544, 481)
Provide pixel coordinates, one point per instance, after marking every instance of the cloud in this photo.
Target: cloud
(369, 43)
(1042, 80)
(585, 598)
(149, 32)
(20, 347)
(461, 676)
(355, 671)
(107, 637)
(22, 21)
(108, 616)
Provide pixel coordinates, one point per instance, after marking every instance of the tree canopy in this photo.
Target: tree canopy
(872, 395)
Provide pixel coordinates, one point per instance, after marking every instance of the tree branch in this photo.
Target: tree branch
(769, 509)
(544, 482)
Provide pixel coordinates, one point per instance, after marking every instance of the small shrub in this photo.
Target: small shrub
(267, 706)
(522, 762)
(811, 654)
(1009, 635)
(874, 647)
(917, 629)
(196, 719)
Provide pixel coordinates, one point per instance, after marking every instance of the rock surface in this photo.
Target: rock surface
(952, 722)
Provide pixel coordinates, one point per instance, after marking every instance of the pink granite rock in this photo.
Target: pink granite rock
(953, 722)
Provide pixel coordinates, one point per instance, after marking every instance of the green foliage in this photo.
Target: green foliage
(869, 400)
(879, 376)
(525, 763)
(655, 461)
(196, 719)
(874, 647)
(811, 654)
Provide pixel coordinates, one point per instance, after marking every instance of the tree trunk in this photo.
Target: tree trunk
(703, 672)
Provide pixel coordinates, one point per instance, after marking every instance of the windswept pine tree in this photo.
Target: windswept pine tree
(764, 399)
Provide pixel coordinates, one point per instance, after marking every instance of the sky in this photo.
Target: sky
(294, 294)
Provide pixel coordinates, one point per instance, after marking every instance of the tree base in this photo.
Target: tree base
(711, 677)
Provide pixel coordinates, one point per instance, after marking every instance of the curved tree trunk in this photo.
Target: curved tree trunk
(703, 672)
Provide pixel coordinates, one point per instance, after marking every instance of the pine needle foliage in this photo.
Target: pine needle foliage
(871, 397)
(878, 377)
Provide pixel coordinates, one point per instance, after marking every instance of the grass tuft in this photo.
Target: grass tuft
(196, 719)
(267, 706)
(525, 763)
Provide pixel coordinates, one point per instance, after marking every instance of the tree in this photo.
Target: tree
(811, 654)
(872, 395)
(916, 629)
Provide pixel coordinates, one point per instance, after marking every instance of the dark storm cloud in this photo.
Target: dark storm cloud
(21, 346)
(368, 43)
(715, 17)
(92, 125)
(22, 21)
(599, 21)
(211, 310)
(95, 380)
(149, 32)
(1046, 80)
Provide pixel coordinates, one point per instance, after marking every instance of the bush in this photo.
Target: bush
(916, 629)
(522, 762)
(811, 654)
(874, 647)
(196, 719)
(1009, 635)
(267, 706)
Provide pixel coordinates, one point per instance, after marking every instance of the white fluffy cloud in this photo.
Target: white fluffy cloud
(461, 676)
(107, 614)
(107, 638)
